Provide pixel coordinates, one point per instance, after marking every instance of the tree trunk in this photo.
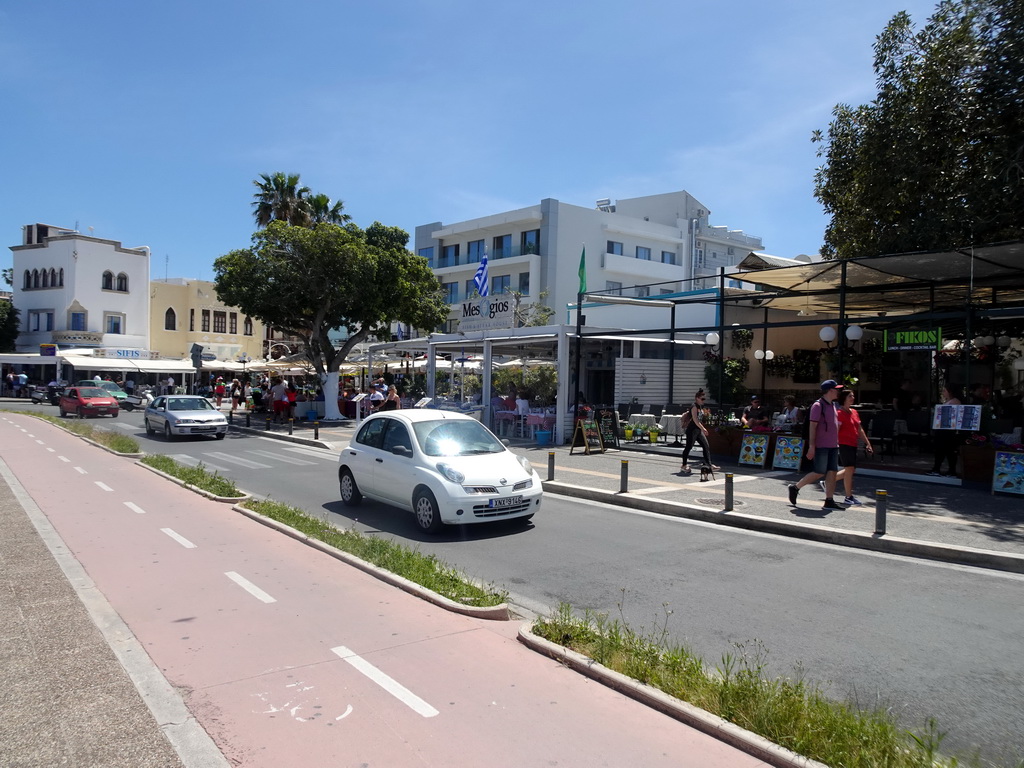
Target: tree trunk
(330, 384)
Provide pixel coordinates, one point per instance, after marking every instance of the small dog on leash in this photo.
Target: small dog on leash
(705, 471)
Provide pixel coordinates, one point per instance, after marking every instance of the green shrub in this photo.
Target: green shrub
(197, 476)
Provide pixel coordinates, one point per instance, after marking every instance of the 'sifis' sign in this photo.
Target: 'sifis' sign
(493, 312)
(902, 341)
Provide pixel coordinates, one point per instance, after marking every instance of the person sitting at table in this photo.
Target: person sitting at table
(754, 415)
(791, 414)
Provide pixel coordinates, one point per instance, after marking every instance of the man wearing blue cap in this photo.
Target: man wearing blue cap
(754, 415)
(823, 445)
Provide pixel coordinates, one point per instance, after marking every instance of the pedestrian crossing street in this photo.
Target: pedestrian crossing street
(225, 461)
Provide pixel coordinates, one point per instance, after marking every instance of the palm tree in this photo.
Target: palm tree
(323, 211)
(280, 198)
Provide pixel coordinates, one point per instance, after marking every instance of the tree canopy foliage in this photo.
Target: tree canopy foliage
(309, 281)
(937, 159)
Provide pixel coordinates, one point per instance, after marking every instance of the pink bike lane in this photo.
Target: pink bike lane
(288, 657)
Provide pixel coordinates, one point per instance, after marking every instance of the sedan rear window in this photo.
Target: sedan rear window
(92, 392)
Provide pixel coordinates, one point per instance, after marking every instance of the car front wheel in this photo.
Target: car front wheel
(167, 431)
(350, 495)
(80, 413)
(428, 516)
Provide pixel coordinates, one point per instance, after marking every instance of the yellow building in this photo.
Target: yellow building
(185, 312)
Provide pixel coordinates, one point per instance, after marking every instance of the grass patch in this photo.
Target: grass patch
(115, 441)
(791, 713)
(404, 561)
(198, 476)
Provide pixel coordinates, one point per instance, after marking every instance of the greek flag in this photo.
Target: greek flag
(480, 279)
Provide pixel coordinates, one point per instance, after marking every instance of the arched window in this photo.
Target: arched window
(247, 327)
(46, 279)
(35, 278)
(170, 320)
(28, 281)
(122, 282)
(53, 278)
(108, 281)
(61, 277)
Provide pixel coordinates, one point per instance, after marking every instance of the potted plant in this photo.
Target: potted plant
(629, 429)
(653, 433)
(641, 431)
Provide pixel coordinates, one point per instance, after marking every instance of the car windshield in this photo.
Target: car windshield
(110, 386)
(189, 404)
(455, 437)
(92, 392)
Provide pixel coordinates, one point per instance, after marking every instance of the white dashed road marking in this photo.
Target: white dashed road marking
(104, 486)
(64, 458)
(135, 508)
(81, 471)
(392, 686)
(249, 587)
(179, 538)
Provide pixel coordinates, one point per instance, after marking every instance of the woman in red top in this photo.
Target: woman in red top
(850, 433)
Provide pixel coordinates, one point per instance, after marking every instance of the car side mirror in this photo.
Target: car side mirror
(401, 450)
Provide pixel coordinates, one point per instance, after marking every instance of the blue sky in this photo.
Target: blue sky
(148, 122)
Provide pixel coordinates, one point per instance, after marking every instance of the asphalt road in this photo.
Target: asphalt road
(924, 639)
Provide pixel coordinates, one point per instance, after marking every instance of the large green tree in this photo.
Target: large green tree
(308, 281)
(937, 159)
(8, 326)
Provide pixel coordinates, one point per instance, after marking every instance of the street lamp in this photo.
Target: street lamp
(244, 359)
(763, 356)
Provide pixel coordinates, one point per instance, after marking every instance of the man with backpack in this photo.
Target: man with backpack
(822, 445)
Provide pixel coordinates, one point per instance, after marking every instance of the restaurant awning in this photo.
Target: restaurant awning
(88, 362)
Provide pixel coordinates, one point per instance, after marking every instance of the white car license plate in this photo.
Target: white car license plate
(507, 501)
(204, 429)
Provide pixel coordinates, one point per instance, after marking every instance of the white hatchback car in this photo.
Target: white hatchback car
(444, 466)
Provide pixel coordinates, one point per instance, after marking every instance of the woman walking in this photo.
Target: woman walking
(392, 402)
(696, 431)
(851, 432)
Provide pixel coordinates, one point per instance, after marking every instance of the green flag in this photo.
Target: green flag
(583, 270)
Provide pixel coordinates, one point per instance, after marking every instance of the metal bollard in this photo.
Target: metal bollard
(248, 419)
(551, 465)
(268, 423)
(881, 500)
(291, 425)
(624, 477)
(728, 492)
(231, 417)
(316, 430)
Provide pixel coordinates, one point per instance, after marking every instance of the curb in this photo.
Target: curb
(492, 613)
(86, 439)
(981, 558)
(194, 489)
(703, 721)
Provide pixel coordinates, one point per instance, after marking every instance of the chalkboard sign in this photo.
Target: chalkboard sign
(608, 424)
(586, 436)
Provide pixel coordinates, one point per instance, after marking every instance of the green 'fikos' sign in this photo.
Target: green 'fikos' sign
(904, 341)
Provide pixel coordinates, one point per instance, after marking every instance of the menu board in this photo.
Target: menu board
(964, 417)
(754, 448)
(586, 436)
(608, 424)
(789, 449)
(1008, 475)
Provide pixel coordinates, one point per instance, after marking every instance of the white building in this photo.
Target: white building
(640, 247)
(74, 290)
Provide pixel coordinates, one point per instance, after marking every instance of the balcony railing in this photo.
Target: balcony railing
(463, 260)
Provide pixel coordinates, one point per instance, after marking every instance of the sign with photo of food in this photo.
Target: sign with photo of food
(754, 448)
(788, 452)
(1008, 475)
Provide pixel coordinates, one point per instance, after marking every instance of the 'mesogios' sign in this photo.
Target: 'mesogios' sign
(487, 314)
(902, 341)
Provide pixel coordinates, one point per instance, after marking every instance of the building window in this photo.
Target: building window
(191, 319)
(247, 327)
(35, 278)
(60, 277)
(665, 291)
(77, 321)
(613, 287)
(524, 283)
(46, 279)
(731, 251)
(451, 292)
(643, 253)
(53, 278)
(668, 257)
(170, 320)
(27, 283)
(501, 246)
(530, 242)
(220, 322)
(233, 322)
(614, 247)
(500, 284)
(474, 251)
(643, 291)
(206, 321)
(108, 281)
(698, 258)
(40, 320)
(113, 324)
(449, 256)
(122, 282)
(470, 288)
(428, 254)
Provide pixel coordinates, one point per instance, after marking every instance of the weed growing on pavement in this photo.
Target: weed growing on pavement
(792, 713)
(197, 476)
(404, 561)
(115, 441)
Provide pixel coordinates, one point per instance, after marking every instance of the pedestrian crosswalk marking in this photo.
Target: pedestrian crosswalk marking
(285, 459)
(239, 461)
(192, 461)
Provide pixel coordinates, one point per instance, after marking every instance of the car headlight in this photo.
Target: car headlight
(526, 464)
(185, 421)
(451, 473)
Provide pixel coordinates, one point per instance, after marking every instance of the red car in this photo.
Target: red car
(88, 401)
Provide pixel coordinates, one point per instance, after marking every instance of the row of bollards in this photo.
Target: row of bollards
(881, 497)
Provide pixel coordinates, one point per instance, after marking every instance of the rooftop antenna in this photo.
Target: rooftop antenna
(90, 229)
(167, 263)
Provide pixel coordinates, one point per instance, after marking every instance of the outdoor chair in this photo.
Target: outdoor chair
(883, 433)
(623, 410)
(919, 428)
(675, 409)
(655, 411)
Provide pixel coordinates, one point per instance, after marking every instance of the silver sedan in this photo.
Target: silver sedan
(184, 415)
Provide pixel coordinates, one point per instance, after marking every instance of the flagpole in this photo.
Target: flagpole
(579, 330)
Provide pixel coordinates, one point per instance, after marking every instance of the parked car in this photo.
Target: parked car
(184, 415)
(115, 391)
(444, 466)
(87, 401)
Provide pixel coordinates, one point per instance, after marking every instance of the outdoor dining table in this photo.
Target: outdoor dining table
(672, 425)
(543, 421)
(647, 419)
(503, 420)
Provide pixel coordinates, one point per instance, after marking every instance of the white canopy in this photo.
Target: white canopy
(88, 362)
